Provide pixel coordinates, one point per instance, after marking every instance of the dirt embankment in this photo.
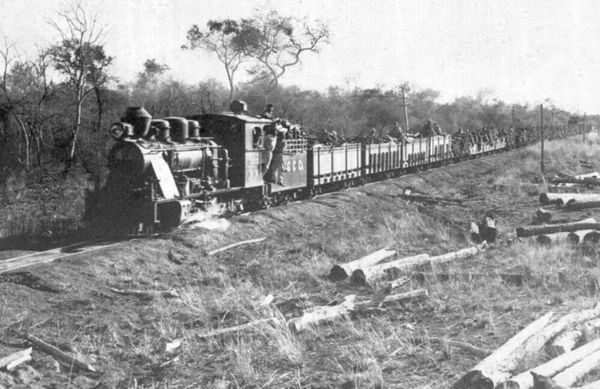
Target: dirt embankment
(73, 303)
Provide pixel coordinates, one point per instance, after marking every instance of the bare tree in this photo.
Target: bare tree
(24, 92)
(221, 38)
(276, 42)
(80, 57)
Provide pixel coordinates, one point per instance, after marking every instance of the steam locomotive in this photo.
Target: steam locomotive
(164, 171)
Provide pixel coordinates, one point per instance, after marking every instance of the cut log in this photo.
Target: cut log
(592, 237)
(323, 313)
(342, 271)
(327, 313)
(487, 229)
(410, 295)
(570, 320)
(235, 245)
(586, 224)
(394, 268)
(577, 206)
(565, 342)
(566, 198)
(577, 237)
(10, 360)
(474, 232)
(594, 175)
(557, 237)
(577, 371)
(552, 367)
(591, 385)
(14, 364)
(372, 273)
(497, 367)
(58, 354)
(148, 293)
(543, 216)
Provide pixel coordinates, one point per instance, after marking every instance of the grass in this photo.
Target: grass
(125, 336)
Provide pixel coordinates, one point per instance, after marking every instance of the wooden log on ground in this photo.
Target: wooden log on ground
(543, 216)
(594, 175)
(552, 367)
(323, 313)
(548, 239)
(428, 199)
(565, 342)
(574, 373)
(497, 367)
(488, 230)
(585, 224)
(401, 297)
(578, 206)
(235, 245)
(474, 232)
(342, 271)
(566, 198)
(592, 237)
(591, 385)
(11, 361)
(394, 268)
(372, 273)
(58, 354)
(577, 237)
(574, 181)
(327, 313)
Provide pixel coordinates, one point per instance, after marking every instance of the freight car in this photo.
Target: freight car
(164, 171)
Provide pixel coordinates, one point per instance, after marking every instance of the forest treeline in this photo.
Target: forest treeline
(56, 107)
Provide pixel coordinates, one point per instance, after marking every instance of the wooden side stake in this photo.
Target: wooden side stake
(235, 245)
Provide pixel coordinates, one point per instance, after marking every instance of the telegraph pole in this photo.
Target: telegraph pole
(584, 125)
(403, 88)
(542, 136)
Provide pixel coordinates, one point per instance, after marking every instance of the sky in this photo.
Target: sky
(534, 51)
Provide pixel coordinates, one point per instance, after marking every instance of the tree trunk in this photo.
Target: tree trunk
(497, 367)
(525, 380)
(76, 128)
(26, 139)
(340, 272)
(100, 106)
(585, 224)
(566, 198)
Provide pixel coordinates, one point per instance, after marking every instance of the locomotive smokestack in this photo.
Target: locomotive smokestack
(140, 119)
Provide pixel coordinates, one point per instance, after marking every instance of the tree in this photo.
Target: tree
(80, 57)
(276, 42)
(220, 38)
(24, 93)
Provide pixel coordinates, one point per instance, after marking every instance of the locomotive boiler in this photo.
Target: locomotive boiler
(160, 172)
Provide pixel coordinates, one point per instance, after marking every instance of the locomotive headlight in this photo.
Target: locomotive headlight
(120, 130)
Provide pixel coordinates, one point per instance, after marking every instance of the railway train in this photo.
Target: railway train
(163, 172)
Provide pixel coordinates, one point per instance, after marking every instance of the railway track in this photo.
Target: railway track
(54, 254)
